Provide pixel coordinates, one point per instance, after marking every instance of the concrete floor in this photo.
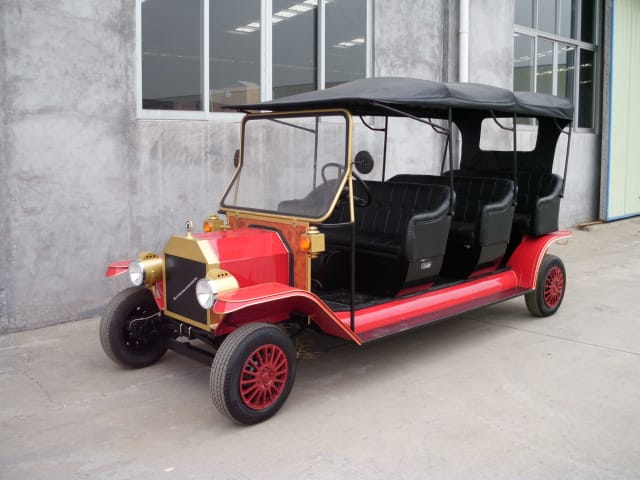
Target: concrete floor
(494, 394)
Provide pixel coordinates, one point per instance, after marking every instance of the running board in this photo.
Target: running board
(437, 315)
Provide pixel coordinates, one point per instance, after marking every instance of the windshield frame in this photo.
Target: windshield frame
(282, 117)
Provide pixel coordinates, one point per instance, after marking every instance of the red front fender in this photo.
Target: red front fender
(117, 268)
(273, 302)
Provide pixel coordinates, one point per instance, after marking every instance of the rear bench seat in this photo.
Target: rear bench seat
(401, 234)
(482, 218)
(538, 203)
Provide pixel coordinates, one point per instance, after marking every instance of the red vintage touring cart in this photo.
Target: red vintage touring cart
(305, 241)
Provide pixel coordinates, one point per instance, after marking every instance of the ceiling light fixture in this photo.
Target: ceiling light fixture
(286, 14)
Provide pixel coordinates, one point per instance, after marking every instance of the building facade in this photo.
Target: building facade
(112, 132)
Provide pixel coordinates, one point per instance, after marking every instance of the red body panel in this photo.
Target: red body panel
(291, 233)
(274, 302)
(387, 314)
(260, 261)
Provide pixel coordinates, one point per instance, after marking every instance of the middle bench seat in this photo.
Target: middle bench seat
(483, 214)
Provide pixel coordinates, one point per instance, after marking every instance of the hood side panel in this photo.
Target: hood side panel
(253, 256)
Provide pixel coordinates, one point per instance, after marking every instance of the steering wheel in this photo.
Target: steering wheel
(357, 200)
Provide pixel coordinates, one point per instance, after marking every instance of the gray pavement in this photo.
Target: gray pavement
(495, 394)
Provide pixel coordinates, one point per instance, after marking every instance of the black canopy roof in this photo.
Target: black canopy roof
(423, 98)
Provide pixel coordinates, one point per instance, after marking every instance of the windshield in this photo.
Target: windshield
(291, 164)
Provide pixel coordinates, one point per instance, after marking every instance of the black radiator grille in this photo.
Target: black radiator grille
(182, 275)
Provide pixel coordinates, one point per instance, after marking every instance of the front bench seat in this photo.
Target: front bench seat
(401, 235)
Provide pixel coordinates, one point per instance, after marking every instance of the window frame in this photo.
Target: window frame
(266, 62)
(579, 46)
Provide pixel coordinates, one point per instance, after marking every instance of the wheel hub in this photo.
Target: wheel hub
(264, 376)
(553, 287)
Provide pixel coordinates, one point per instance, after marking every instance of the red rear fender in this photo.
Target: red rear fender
(527, 257)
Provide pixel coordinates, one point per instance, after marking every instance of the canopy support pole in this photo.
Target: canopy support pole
(566, 160)
(384, 152)
(385, 130)
(450, 149)
(515, 152)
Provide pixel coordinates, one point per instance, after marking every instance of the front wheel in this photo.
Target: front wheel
(130, 329)
(253, 372)
(550, 286)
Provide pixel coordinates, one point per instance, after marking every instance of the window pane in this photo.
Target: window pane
(586, 91)
(345, 37)
(586, 22)
(544, 69)
(523, 63)
(171, 54)
(524, 13)
(547, 15)
(234, 49)
(294, 40)
(290, 167)
(567, 24)
(566, 69)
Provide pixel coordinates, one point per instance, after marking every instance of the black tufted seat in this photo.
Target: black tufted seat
(483, 210)
(400, 236)
(538, 206)
(538, 203)
(402, 220)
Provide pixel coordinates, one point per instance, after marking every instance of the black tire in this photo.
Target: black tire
(253, 372)
(125, 338)
(550, 287)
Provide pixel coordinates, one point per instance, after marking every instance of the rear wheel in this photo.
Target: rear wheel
(253, 372)
(130, 329)
(551, 283)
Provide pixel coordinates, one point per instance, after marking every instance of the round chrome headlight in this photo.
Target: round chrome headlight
(206, 293)
(136, 273)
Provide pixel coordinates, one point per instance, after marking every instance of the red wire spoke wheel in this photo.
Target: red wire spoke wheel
(264, 377)
(253, 372)
(550, 287)
(553, 287)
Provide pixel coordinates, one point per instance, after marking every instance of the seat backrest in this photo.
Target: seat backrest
(472, 193)
(533, 186)
(392, 205)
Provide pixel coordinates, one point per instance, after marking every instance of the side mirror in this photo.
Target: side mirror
(363, 162)
(236, 158)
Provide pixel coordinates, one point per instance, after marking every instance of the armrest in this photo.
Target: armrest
(496, 221)
(498, 206)
(426, 234)
(554, 194)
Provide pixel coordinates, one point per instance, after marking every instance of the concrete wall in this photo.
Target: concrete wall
(84, 182)
(68, 141)
(4, 194)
